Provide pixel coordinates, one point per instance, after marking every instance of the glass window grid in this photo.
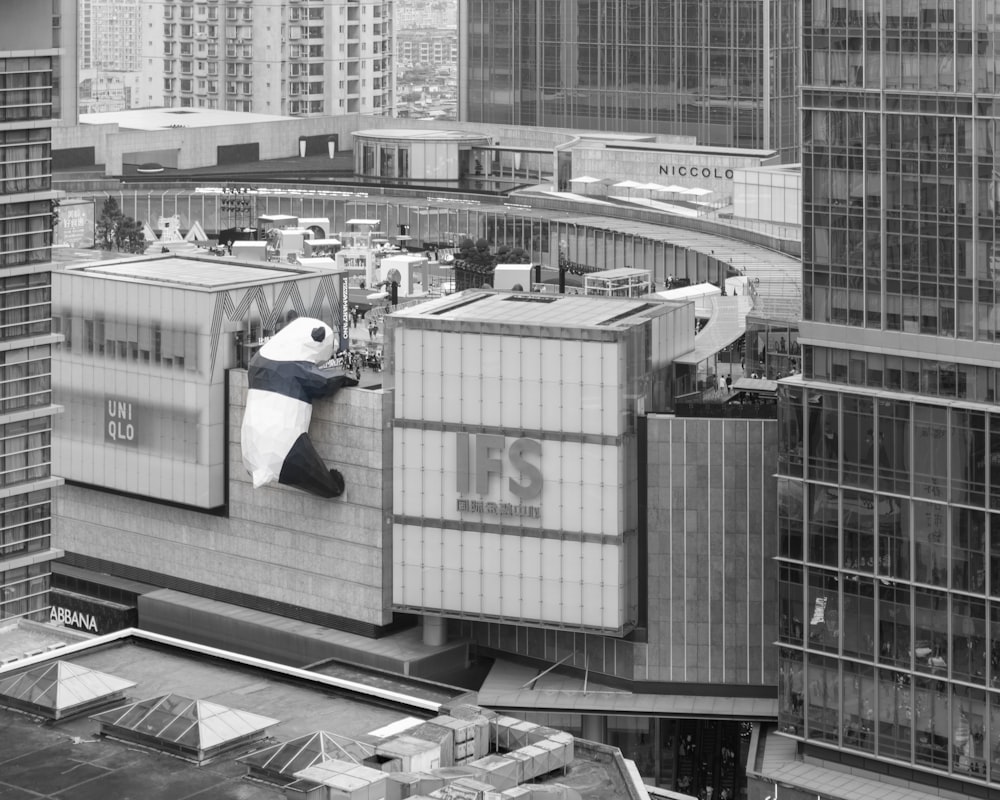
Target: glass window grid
(912, 191)
(959, 381)
(648, 85)
(24, 591)
(924, 644)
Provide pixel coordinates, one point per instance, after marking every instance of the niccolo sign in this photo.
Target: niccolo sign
(697, 172)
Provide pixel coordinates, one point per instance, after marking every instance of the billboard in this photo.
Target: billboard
(512, 473)
(76, 224)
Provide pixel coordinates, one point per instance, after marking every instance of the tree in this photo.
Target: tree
(475, 264)
(129, 236)
(108, 223)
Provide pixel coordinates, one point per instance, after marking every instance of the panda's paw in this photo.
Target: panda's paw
(338, 481)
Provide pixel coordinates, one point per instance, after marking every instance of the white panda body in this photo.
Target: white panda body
(284, 378)
(271, 425)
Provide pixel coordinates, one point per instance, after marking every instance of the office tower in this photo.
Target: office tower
(721, 70)
(110, 55)
(291, 57)
(37, 84)
(889, 475)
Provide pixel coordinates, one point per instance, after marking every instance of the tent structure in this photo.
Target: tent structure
(197, 234)
(62, 689)
(194, 729)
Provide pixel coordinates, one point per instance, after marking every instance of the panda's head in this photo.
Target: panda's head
(302, 339)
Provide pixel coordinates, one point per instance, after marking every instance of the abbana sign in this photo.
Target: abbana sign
(73, 619)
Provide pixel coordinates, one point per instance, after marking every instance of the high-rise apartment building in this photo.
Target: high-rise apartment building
(889, 472)
(721, 70)
(435, 46)
(37, 86)
(110, 54)
(290, 57)
(109, 35)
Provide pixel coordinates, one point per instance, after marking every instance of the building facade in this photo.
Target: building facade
(432, 46)
(889, 547)
(294, 58)
(110, 55)
(35, 69)
(723, 71)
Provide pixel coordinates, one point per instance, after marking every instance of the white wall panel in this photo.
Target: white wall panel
(488, 577)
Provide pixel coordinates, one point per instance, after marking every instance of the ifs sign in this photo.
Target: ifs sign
(486, 462)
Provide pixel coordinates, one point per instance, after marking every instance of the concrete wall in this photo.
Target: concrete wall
(26, 25)
(279, 139)
(198, 146)
(694, 167)
(278, 544)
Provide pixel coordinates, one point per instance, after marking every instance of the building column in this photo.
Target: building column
(435, 631)
(595, 727)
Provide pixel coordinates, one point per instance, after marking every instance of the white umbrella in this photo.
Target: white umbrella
(628, 185)
(657, 187)
(698, 192)
(585, 180)
(674, 188)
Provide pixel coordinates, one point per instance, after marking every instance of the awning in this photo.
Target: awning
(515, 687)
(756, 385)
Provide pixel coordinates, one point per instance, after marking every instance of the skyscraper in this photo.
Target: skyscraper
(889, 473)
(721, 70)
(37, 85)
(292, 57)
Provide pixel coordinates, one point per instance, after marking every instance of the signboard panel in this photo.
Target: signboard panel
(510, 526)
(121, 422)
(76, 224)
(513, 481)
(89, 614)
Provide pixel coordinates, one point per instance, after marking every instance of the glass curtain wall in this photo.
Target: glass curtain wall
(723, 71)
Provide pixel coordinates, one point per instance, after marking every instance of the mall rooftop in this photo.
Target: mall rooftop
(165, 740)
(190, 271)
(575, 312)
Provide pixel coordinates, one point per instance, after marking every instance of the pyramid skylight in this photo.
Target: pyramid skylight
(196, 729)
(61, 689)
(280, 762)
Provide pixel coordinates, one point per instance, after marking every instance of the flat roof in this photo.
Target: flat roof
(155, 119)
(424, 133)
(181, 271)
(519, 688)
(556, 310)
(69, 759)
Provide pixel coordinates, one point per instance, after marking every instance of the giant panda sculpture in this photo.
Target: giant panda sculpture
(284, 378)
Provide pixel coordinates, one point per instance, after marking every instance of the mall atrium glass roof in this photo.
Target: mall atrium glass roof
(61, 689)
(197, 729)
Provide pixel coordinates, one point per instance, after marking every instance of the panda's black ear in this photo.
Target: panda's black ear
(319, 334)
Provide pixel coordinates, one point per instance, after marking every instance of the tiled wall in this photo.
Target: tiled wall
(278, 543)
(711, 522)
